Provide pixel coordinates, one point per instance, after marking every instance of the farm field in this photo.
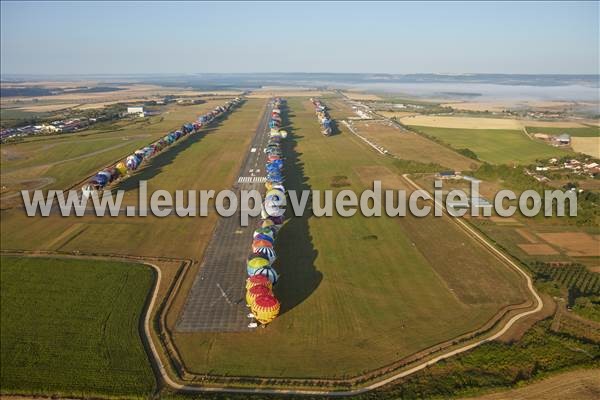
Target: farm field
(496, 146)
(462, 122)
(411, 146)
(205, 161)
(586, 145)
(358, 292)
(63, 160)
(589, 131)
(70, 327)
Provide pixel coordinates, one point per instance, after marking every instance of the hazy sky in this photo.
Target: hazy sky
(93, 38)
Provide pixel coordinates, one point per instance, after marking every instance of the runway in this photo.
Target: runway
(216, 302)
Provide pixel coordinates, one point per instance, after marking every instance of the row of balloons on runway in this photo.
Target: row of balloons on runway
(261, 274)
(323, 116)
(132, 162)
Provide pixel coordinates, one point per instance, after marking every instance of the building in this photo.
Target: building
(564, 139)
(139, 111)
(448, 175)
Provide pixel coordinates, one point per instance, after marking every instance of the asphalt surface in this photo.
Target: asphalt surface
(216, 301)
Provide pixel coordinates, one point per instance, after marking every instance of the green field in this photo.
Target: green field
(203, 161)
(71, 327)
(579, 132)
(69, 158)
(496, 146)
(357, 292)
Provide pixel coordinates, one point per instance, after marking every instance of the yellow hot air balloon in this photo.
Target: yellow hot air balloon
(255, 291)
(283, 134)
(122, 168)
(265, 308)
(266, 223)
(269, 185)
(257, 263)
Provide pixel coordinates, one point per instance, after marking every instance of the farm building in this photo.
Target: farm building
(564, 139)
(139, 111)
(448, 175)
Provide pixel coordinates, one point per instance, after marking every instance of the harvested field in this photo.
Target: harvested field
(527, 235)
(538, 249)
(411, 146)
(576, 244)
(462, 122)
(574, 385)
(586, 145)
(505, 220)
(389, 180)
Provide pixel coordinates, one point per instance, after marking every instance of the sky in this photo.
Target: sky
(371, 37)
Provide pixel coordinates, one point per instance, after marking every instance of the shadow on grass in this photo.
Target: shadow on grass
(155, 165)
(295, 250)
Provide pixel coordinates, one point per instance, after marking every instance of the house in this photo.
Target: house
(448, 175)
(138, 111)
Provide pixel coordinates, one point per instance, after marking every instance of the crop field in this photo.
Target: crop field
(411, 146)
(435, 121)
(589, 131)
(63, 160)
(70, 327)
(496, 146)
(358, 292)
(586, 145)
(205, 161)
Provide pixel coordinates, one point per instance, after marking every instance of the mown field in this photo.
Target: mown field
(357, 292)
(203, 161)
(63, 160)
(70, 328)
(496, 146)
(592, 131)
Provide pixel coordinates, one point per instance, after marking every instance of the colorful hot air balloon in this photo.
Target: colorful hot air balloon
(256, 280)
(263, 231)
(121, 167)
(268, 253)
(269, 272)
(265, 308)
(255, 291)
(255, 264)
(260, 243)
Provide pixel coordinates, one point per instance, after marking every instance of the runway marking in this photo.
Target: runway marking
(252, 179)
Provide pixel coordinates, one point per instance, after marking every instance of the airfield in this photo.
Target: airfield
(376, 298)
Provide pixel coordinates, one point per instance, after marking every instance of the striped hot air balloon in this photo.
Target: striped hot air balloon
(260, 243)
(258, 280)
(268, 253)
(262, 236)
(255, 291)
(269, 272)
(265, 308)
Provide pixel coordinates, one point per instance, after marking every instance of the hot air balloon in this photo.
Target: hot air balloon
(122, 168)
(263, 231)
(268, 238)
(283, 134)
(255, 264)
(260, 243)
(258, 280)
(267, 252)
(269, 272)
(255, 291)
(265, 308)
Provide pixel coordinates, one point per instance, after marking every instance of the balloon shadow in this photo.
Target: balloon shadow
(295, 250)
(154, 166)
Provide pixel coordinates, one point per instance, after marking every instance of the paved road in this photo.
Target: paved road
(216, 301)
